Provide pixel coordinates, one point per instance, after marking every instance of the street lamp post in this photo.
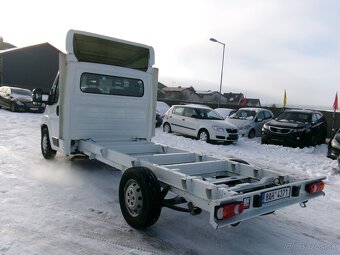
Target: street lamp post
(219, 96)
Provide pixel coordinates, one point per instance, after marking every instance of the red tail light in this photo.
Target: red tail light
(315, 187)
(229, 210)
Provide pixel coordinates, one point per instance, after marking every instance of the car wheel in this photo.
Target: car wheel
(203, 135)
(251, 134)
(13, 107)
(140, 197)
(46, 148)
(167, 128)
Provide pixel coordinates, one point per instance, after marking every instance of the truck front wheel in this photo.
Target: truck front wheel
(46, 149)
(140, 197)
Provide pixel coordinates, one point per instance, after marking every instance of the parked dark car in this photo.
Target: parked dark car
(296, 128)
(334, 146)
(18, 99)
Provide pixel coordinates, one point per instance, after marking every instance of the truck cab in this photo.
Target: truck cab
(104, 91)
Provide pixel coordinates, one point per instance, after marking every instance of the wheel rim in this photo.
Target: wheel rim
(203, 136)
(166, 128)
(133, 198)
(45, 143)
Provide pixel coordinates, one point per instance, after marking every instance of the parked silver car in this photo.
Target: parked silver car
(225, 112)
(250, 121)
(200, 122)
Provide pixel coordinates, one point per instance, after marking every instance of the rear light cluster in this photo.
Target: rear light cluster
(229, 210)
(315, 187)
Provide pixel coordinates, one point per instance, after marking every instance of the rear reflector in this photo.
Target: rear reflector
(315, 187)
(229, 210)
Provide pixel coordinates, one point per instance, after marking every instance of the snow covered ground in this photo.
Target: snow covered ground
(70, 205)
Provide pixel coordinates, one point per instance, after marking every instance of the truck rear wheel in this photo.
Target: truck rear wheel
(140, 197)
(46, 149)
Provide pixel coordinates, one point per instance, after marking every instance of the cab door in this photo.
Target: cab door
(52, 114)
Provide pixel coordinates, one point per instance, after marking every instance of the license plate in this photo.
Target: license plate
(274, 195)
(34, 109)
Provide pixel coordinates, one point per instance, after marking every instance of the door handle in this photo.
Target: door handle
(57, 110)
(183, 119)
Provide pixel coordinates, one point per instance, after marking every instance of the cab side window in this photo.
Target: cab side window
(54, 93)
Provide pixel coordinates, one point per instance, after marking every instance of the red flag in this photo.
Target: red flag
(335, 104)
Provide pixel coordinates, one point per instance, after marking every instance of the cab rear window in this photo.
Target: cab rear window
(111, 85)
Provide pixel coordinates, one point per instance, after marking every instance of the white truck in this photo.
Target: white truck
(102, 104)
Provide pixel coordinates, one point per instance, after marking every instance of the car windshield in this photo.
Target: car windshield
(206, 114)
(21, 92)
(243, 115)
(300, 117)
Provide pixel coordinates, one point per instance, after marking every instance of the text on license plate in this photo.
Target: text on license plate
(277, 194)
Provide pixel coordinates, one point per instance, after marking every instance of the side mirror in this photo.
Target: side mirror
(37, 96)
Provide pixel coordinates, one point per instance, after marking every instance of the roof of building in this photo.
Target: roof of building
(178, 89)
(233, 97)
(205, 92)
(9, 51)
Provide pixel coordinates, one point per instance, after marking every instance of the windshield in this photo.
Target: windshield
(295, 117)
(20, 92)
(243, 115)
(206, 114)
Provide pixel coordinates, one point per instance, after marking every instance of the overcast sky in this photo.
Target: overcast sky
(271, 45)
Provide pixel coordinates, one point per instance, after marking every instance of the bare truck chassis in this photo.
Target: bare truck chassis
(230, 190)
(102, 104)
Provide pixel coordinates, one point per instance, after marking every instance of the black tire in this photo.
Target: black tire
(251, 134)
(46, 149)
(167, 128)
(203, 135)
(140, 197)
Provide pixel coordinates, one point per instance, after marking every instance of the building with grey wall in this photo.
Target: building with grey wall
(29, 67)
